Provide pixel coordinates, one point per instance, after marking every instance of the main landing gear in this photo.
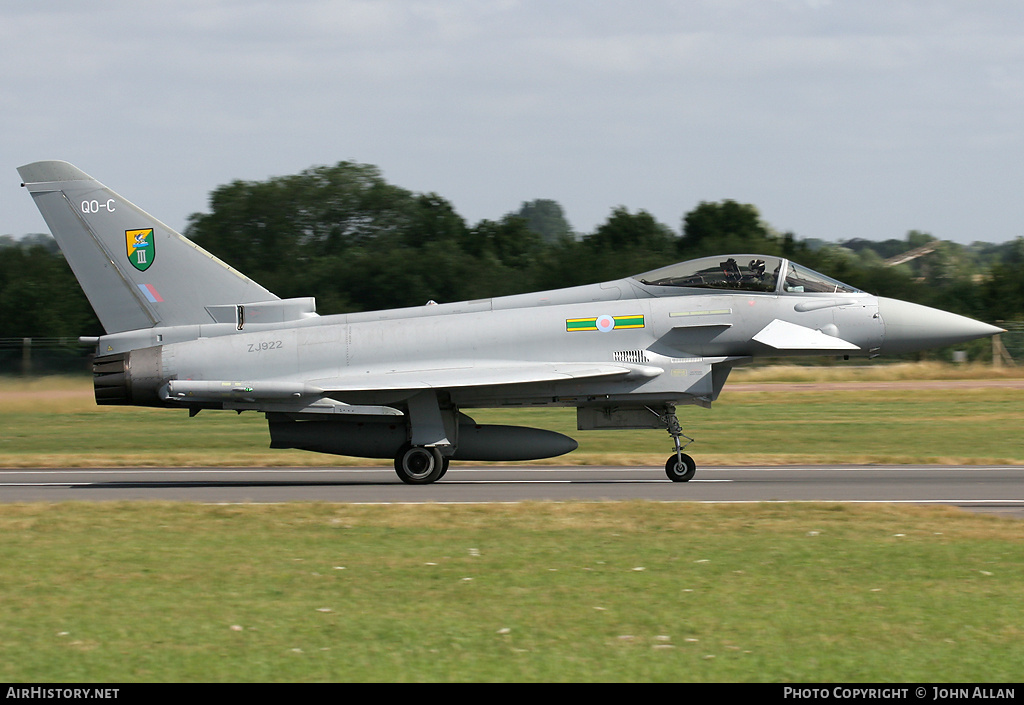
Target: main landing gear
(679, 467)
(421, 461)
(419, 465)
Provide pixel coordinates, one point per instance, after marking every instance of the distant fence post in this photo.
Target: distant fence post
(29, 356)
(26, 356)
(1000, 355)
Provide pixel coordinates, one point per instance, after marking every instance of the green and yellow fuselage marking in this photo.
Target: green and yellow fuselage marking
(603, 323)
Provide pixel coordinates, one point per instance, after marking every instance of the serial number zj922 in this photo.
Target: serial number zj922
(266, 345)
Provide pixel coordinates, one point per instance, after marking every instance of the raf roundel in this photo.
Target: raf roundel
(605, 323)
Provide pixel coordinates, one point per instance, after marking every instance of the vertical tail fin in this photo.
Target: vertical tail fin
(135, 271)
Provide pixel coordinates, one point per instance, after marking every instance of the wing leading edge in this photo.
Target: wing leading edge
(300, 394)
(461, 375)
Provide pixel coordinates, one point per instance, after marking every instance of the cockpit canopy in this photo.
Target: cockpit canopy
(745, 273)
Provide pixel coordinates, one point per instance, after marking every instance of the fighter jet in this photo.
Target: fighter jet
(185, 330)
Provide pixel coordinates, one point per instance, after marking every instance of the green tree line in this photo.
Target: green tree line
(343, 234)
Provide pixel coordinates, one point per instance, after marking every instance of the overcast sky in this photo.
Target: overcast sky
(836, 118)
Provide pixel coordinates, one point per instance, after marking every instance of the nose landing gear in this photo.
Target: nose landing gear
(679, 467)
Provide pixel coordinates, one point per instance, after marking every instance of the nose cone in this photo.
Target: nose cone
(911, 327)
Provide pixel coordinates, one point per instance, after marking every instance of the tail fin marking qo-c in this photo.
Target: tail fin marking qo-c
(135, 271)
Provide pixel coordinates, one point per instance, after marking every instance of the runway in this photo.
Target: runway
(996, 489)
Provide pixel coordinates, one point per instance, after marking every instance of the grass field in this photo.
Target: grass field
(533, 592)
(627, 592)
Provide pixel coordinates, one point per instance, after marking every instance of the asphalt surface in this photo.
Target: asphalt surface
(978, 488)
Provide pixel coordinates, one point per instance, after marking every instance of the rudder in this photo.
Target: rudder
(135, 271)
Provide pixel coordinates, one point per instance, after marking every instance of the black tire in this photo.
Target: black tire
(444, 467)
(680, 473)
(417, 465)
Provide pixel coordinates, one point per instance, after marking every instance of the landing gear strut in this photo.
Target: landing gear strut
(422, 461)
(679, 467)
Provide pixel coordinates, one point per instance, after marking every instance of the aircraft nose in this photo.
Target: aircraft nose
(911, 327)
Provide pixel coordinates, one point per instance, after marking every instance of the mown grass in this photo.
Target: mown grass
(630, 591)
(136, 592)
(874, 372)
(47, 423)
